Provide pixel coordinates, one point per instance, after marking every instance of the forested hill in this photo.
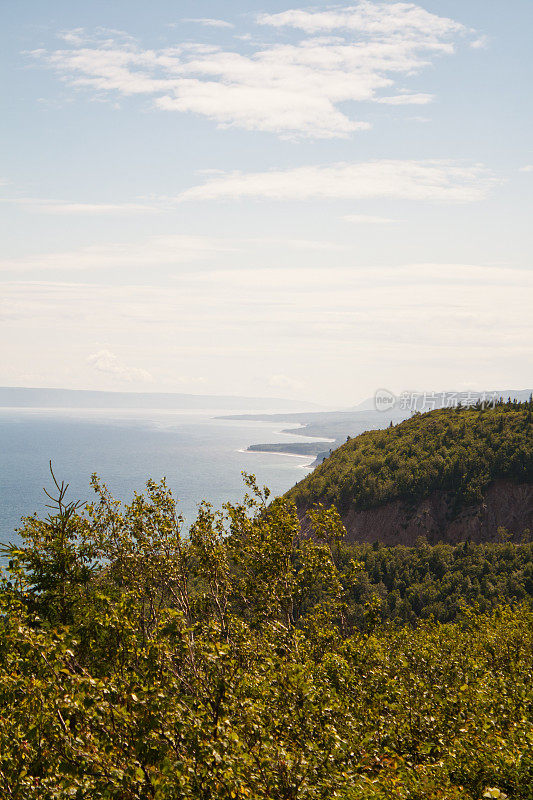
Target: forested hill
(453, 474)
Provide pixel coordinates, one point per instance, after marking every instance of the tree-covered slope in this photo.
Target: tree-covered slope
(423, 582)
(460, 451)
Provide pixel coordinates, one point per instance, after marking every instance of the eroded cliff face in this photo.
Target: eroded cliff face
(505, 504)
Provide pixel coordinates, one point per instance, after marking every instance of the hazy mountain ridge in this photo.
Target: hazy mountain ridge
(22, 397)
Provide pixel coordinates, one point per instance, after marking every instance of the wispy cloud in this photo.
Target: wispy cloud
(97, 208)
(419, 99)
(313, 311)
(153, 252)
(48, 206)
(161, 251)
(481, 43)
(412, 180)
(291, 89)
(209, 23)
(105, 361)
(101, 36)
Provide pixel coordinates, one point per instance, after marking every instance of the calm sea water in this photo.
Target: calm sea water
(201, 457)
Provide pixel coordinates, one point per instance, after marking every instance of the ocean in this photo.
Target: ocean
(200, 456)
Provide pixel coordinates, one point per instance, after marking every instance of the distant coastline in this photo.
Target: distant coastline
(329, 429)
(332, 428)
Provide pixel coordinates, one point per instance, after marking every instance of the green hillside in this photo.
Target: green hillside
(457, 450)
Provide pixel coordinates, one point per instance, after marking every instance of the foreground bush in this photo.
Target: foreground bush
(138, 663)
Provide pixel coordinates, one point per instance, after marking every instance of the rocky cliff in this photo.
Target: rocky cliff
(504, 505)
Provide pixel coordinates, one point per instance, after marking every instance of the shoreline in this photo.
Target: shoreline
(278, 453)
(312, 449)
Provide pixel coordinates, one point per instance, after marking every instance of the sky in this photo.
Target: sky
(267, 199)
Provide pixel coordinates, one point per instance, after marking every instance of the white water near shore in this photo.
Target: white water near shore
(310, 459)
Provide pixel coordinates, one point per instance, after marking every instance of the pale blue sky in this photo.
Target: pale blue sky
(267, 198)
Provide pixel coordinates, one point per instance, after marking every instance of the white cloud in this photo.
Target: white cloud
(105, 361)
(210, 23)
(413, 180)
(377, 18)
(367, 219)
(291, 89)
(527, 168)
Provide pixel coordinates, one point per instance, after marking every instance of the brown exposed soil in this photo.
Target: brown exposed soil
(505, 504)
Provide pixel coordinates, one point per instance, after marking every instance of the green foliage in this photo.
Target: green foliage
(457, 450)
(244, 661)
(411, 583)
